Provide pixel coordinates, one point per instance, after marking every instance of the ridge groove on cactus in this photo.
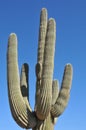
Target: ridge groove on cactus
(50, 101)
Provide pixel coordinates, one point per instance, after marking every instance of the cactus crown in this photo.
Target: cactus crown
(50, 102)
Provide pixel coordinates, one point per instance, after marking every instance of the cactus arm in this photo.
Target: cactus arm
(62, 100)
(22, 115)
(44, 103)
(55, 91)
(24, 84)
(42, 35)
(38, 71)
(40, 55)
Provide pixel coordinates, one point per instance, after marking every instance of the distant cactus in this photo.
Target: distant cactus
(50, 102)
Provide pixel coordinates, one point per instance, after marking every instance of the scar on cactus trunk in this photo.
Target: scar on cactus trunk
(50, 102)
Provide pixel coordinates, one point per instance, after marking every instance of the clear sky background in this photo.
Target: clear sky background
(22, 17)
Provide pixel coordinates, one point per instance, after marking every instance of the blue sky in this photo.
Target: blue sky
(22, 17)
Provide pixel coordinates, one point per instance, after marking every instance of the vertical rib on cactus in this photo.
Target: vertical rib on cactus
(21, 113)
(50, 102)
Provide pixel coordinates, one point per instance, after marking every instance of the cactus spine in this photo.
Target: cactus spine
(50, 102)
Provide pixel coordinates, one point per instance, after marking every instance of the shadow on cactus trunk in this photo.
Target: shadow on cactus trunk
(50, 102)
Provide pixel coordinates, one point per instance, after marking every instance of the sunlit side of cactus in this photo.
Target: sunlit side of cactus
(50, 102)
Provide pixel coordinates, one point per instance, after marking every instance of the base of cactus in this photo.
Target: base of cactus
(47, 124)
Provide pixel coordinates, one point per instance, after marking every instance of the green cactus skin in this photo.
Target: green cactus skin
(50, 102)
(20, 110)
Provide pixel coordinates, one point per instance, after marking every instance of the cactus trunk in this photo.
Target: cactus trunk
(50, 101)
(47, 124)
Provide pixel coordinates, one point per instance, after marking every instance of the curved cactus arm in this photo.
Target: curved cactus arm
(62, 100)
(24, 84)
(45, 99)
(21, 113)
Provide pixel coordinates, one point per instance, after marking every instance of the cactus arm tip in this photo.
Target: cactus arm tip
(13, 34)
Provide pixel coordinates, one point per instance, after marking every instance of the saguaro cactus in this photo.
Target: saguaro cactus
(50, 102)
